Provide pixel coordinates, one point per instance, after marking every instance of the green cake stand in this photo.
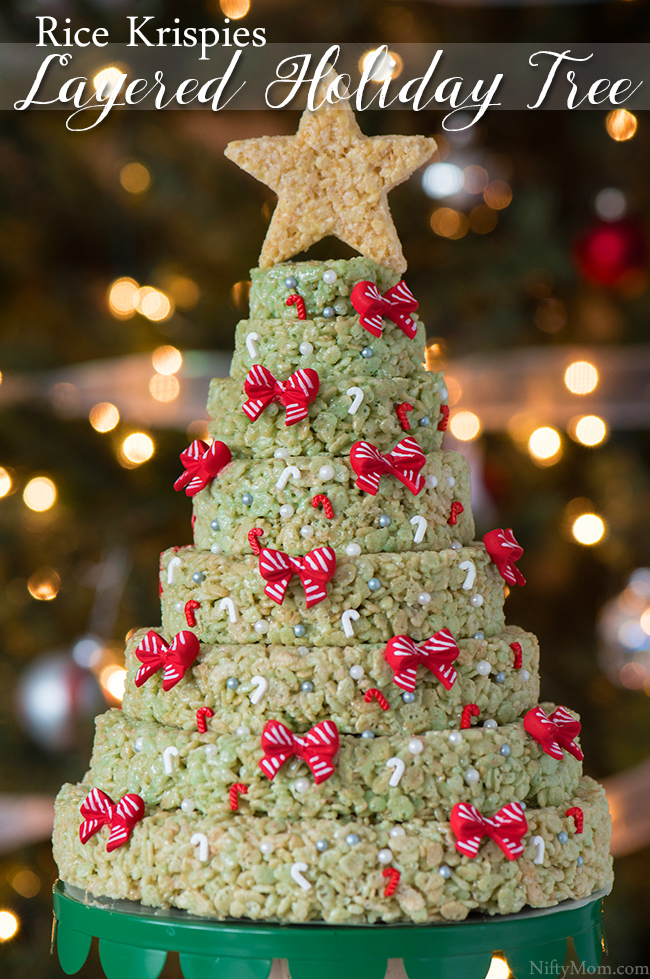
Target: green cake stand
(134, 942)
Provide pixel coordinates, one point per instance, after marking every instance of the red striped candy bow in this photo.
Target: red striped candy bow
(403, 655)
(295, 394)
(315, 569)
(507, 828)
(99, 810)
(395, 305)
(174, 658)
(202, 463)
(318, 748)
(554, 732)
(504, 550)
(404, 462)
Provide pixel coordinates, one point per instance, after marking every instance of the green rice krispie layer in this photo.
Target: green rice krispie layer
(128, 757)
(160, 866)
(336, 695)
(395, 608)
(330, 428)
(268, 294)
(245, 495)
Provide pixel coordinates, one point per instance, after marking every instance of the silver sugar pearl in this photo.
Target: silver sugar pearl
(299, 630)
(367, 734)
(563, 837)
(307, 687)
(198, 577)
(424, 421)
(352, 839)
(384, 520)
(444, 871)
(580, 861)
(525, 675)
(408, 697)
(214, 524)
(479, 635)
(374, 584)
(329, 312)
(499, 677)
(232, 682)
(341, 307)
(505, 750)
(366, 352)
(246, 499)
(322, 845)
(290, 282)
(490, 724)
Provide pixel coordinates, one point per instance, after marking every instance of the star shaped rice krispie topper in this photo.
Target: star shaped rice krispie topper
(331, 180)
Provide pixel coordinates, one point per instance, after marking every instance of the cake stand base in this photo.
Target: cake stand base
(134, 942)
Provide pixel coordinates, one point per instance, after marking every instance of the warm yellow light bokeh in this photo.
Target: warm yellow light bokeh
(104, 416)
(5, 482)
(137, 448)
(588, 529)
(44, 584)
(135, 178)
(26, 883)
(235, 9)
(448, 223)
(8, 925)
(544, 443)
(497, 194)
(154, 304)
(164, 387)
(465, 425)
(166, 360)
(123, 297)
(388, 66)
(39, 494)
(112, 679)
(183, 291)
(590, 430)
(581, 377)
(106, 80)
(620, 125)
(482, 219)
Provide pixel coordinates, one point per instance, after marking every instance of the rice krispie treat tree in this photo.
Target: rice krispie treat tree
(334, 722)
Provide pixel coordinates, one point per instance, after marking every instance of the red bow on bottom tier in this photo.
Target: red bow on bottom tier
(504, 550)
(317, 748)
(174, 658)
(202, 463)
(437, 654)
(506, 828)
(404, 462)
(396, 304)
(296, 393)
(314, 570)
(554, 732)
(99, 810)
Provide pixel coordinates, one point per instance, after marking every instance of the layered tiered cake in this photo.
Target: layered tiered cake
(334, 722)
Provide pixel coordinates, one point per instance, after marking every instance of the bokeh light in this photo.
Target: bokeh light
(5, 482)
(497, 194)
(620, 125)
(544, 443)
(386, 65)
(235, 9)
(135, 178)
(164, 387)
(610, 204)
(442, 180)
(581, 377)
(112, 679)
(482, 219)
(465, 425)
(184, 291)
(590, 430)
(550, 315)
(26, 883)
(448, 223)
(588, 529)
(167, 360)
(40, 494)
(104, 416)
(106, 80)
(8, 925)
(239, 295)
(44, 584)
(123, 297)
(137, 448)
(154, 304)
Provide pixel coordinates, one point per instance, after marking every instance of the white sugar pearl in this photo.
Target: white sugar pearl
(179, 606)
(301, 785)
(490, 724)
(326, 473)
(281, 454)
(286, 511)
(261, 627)
(472, 775)
(306, 531)
(451, 482)
(397, 831)
(525, 675)
(242, 730)
(424, 598)
(139, 744)
(431, 482)
(415, 746)
(215, 548)
(455, 737)
(329, 276)
(444, 393)
(306, 349)
(210, 750)
(385, 856)
(456, 545)
(353, 550)
(187, 805)
(267, 847)
(302, 650)
(356, 672)
(476, 601)
(483, 668)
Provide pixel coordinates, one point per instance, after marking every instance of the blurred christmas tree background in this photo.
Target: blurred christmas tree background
(123, 258)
